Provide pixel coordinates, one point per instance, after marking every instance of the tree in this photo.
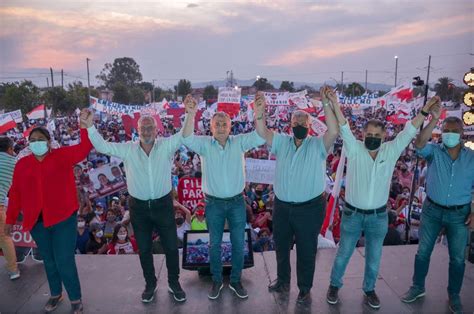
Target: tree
(77, 95)
(121, 94)
(183, 88)
(123, 70)
(262, 84)
(287, 86)
(308, 88)
(57, 97)
(354, 89)
(24, 96)
(210, 92)
(136, 95)
(444, 88)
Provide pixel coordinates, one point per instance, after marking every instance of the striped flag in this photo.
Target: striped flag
(36, 113)
(6, 123)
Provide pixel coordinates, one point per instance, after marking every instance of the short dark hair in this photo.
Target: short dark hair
(5, 143)
(453, 120)
(41, 130)
(375, 123)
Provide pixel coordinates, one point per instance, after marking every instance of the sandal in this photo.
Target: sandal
(53, 303)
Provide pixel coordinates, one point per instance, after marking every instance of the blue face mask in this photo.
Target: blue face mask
(450, 140)
(39, 148)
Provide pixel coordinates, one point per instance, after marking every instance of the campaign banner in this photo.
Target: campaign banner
(21, 238)
(318, 126)
(16, 115)
(228, 100)
(190, 191)
(277, 99)
(100, 182)
(260, 170)
(299, 100)
(114, 108)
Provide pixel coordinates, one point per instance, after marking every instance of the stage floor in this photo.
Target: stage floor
(113, 284)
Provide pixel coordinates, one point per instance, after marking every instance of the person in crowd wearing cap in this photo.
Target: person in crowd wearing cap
(370, 165)
(49, 209)
(299, 206)
(147, 164)
(448, 205)
(198, 220)
(7, 162)
(97, 243)
(223, 181)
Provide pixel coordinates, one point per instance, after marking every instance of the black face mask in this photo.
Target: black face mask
(300, 132)
(179, 221)
(372, 143)
(259, 193)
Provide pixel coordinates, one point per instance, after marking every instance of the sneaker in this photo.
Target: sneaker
(412, 295)
(303, 297)
(238, 289)
(455, 305)
(53, 303)
(175, 289)
(332, 296)
(77, 308)
(372, 299)
(14, 274)
(149, 294)
(215, 290)
(279, 286)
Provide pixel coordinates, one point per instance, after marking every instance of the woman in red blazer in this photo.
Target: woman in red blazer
(44, 189)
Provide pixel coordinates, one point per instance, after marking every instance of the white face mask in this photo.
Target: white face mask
(99, 234)
(81, 224)
(121, 237)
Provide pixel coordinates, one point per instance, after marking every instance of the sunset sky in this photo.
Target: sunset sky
(308, 41)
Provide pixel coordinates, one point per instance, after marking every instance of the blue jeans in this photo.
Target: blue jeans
(57, 245)
(433, 219)
(217, 211)
(375, 228)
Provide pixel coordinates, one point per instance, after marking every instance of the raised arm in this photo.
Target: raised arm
(191, 109)
(426, 133)
(331, 120)
(119, 150)
(260, 121)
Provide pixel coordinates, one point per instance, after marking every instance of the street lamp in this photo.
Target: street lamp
(396, 70)
(153, 94)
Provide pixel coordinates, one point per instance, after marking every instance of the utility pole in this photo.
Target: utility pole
(62, 78)
(366, 74)
(342, 83)
(88, 83)
(47, 81)
(153, 94)
(52, 79)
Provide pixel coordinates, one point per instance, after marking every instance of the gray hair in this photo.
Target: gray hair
(300, 114)
(221, 114)
(146, 117)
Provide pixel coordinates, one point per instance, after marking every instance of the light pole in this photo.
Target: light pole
(88, 83)
(396, 69)
(153, 94)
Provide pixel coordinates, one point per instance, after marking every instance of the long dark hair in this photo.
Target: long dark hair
(116, 231)
(41, 130)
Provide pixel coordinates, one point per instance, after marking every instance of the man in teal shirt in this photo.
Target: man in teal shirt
(223, 180)
(449, 183)
(300, 206)
(370, 166)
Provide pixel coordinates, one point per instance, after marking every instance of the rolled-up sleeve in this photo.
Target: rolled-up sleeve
(350, 142)
(119, 150)
(276, 143)
(250, 140)
(426, 152)
(402, 140)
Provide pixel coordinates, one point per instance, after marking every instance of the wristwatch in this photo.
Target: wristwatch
(424, 113)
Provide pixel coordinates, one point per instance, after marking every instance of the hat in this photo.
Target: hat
(201, 203)
(200, 212)
(100, 204)
(115, 198)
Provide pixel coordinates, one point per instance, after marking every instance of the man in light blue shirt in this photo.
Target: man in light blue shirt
(300, 206)
(370, 165)
(148, 168)
(223, 180)
(448, 205)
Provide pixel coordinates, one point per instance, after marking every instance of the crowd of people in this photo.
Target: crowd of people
(103, 224)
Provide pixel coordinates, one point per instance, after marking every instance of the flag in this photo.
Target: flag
(6, 123)
(402, 92)
(331, 205)
(165, 104)
(36, 113)
(27, 132)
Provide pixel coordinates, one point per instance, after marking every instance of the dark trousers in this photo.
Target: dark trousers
(57, 245)
(301, 222)
(147, 216)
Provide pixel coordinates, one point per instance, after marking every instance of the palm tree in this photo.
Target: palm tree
(444, 88)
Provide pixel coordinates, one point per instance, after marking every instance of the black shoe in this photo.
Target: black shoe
(303, 297)
(332, 295)
(238, 289)
(279, 286)
(215, 290)
(149, 294)
(373, 299)
(53, 304)
(77, 308)
(178, 293)
(455, 305)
